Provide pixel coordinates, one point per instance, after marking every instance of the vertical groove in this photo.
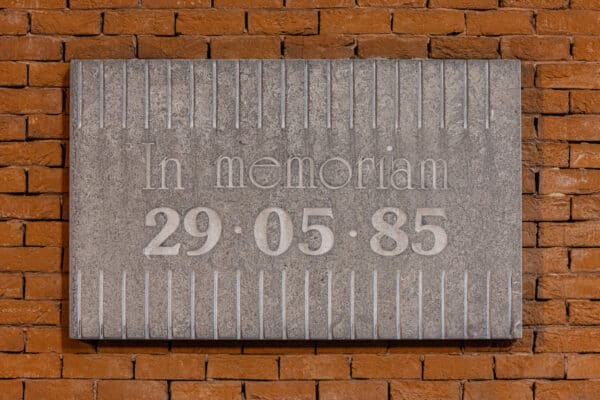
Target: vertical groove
(396, 95)
(352, 323)
(214, 94)
(443, 304)
(351, 96)
(509, 295)
(146, 95)
(78, 310)
(375, 333)
(124, 95)
(124, 305)
(261, 319)
(79, 92)
(169, 95)
(169, 304)
(191, 93)
(283, 307)
(101, 303)
(238, 299)
(420, 95)
(328, 94)
(282, 85)
(329, 333)
(101, 93)
(146, 305)
(465, 304)
(374, 94)
(215, 304)
(487, 94)
(237, 94)
(306, 94)
(420, 304)
(193, 304)
(398, 331)
(306, 305)
(488, 305)
(442, 95)
(260, 93)
(466, 96)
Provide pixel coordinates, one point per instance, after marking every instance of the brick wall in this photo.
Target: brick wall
(559, 44)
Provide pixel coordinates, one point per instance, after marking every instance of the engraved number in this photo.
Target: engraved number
(285, 231)
(440, 239)
(212, 232)
(384, 229)
(155, 247)
(326, 233)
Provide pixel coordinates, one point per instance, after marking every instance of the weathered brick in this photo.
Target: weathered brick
(529, 366)
(572, 127)
(522, 345)
(222, 390)
(576, 181)
(498, 390)
(127, 390)
(536, 48)
(586, 48)
(46, 233)
(528, 180)
(97, 366)
(564, 390)
(264, 3)
(545, 154)
(585, 101)
(13, 74)
(569, 22)
(46, 286)
(54, 340)
(103, 3)
(304, 3)
(535, 3)
(245, 47)
(283, 347)
(391, 3)
(583, 366)
(358, 20)
(11, 340)
(280, 390)
(283, 22)
(362, 347)
(30, 258)
(31, 153)
(568, 76)
(28, 100)
(319, 46)
(467, 4)
(568, 339)
(585, 259)
(242, 367)
(529, 235)
(172, 366)
(585, 4)
(99, 47)
(585, 155)
(463, 47)
(177, 4)
(29, 366)
(29, 48)
(12, 180)
(546, 208)
(584, 312)
(545, 260)
(29, 312)
(503, 22)
(552, 312)
(135, 347)
(64, 389)
(410, 390)
(49, 74)
(42, 126)
(457, 367)
(65, 22)
(545, 101)
(389, 46)
(143, 22)
(172, 47)
(11, 233)
(210, 22)
(12, 127)
(429, 22)
(527, 74)
(353, 390)
(314, 367)
(569, 234)
(386, 366)
(556, 286)
(47, 180)
(13, 22)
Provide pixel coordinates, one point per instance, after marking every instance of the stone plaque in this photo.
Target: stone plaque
(321, 199)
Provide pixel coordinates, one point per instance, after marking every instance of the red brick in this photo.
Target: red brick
(314, 367)
(55, 340)
(42, 126)
(569, 234)
(46, 286)
(141, 22)
(577, 181)
(585, 259)
(583, 366)
(11, 340)
(546, 208)
(463, 47)
(386, 366)
(585, 101)
(172, 47)
(30, 258)
(172, 366)
(545, 260)
(470, 4)
(545, 101)
(206, 390)
(411, 390)
(536, 48)
(49, 74)
(545, 154)
(30, 48)
(11, 233)
(585, 155)
(29, 366)
(352, 390)
(586, 48)
(31, 153)
(319, 46)
(59, 389)
(498, 390)
(177, 4)
(242, 367)
(457, 367)
(99, 47)
(12, 127)
(12, 180)
(97, 366)
(65, 22)
(584, 390)
(552, 312)
(529, 236)
(13, 74)
(103, 3)
(569, 22)
(530, 366)
(210, 22)
(583, 312)
(24, 101)
(283, 22)
(245, 47)
(127, 390)
(358, 20)
(390, 46)
(429, 22)
(569, 286)
(504, 22)
(280, 390)
(569, 76)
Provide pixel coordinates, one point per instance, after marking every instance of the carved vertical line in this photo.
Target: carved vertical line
(487, 94)
(260, 93)
(169, 304)
(146, 305)
(101, 303)
(306, 305)
(146, 95)
(465, 304)
(375, 332)
(488, 305)
(216, 304)
(78, 307)
(466, 96)
(193, 304)
(351, 96)
(352, 323)
(509, 295)
(420, 95)
(101, 93)
(214, 94)
(396, 95)
(237, 94)
(261, 319)
(398, 331)
(283, 307)
(329, 311)
(79, 92)
(124, 305)
(124, 95)
(328, 94)
(282, 84)
(238, 299)
(420, 304)
(442, 95)
(306, 89)
(443, 304)
(374, 94)
(169, 94)
(191, 92)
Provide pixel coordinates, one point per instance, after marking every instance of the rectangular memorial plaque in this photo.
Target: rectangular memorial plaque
(321, 199)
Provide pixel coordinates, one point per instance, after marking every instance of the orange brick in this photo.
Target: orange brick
(280, 390)
(528, 181)
(522, 345)
(13, 74)
(552, 312)
(536, 3)
(529, 236)
(583, 366)
(319, 46)
(585, 4)
(585, 155)
(391, 3)
(29, 366)
(66, 22)
(314, 367)
(13, 22)
(30, 48)
(129, 347)
(546, 208)
(504, 22)
(569, 286)
(585, 259)
(218, 348)
(586, 207)
(46, 233)
(545, 101)
(386, 366)
(352, 390)
(572, 127)
(305, 3)
(545, 154)
(458, 367)
(49, 74)
(172, 366)
(29, 312)
(42, 126)
(64, 389)
(48, 180)
(362, 347)
(420, 347)
(545, 260)
(139, 22)
(530, 366)
(99, 47)
(178, 4)
(55, 340)
(12, 180)
(463, 47)
(390, 46)
(210, 22)
(127, 390)
(31, 153)
(23, 101)
(569, 234)
(242, 367)
(569, 76)
(30, 258)
(172, 47)
(283, 22)
(259, 3)
(577, 181)
(11, 340)
(583, 312)
(206, 390)
(527, 74)
(11, 389)
(470, 4)
(358, 20)
(563, 390)
(11, 233)
(279, 348)
(97, 366)
(498, 390)
(245, 47)
(12, 127)
(536, 48)
(46, 286)
(429, 22)
(411, 390)
(570, 22)
(103, 3)
(586, 48)
(585, 101)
